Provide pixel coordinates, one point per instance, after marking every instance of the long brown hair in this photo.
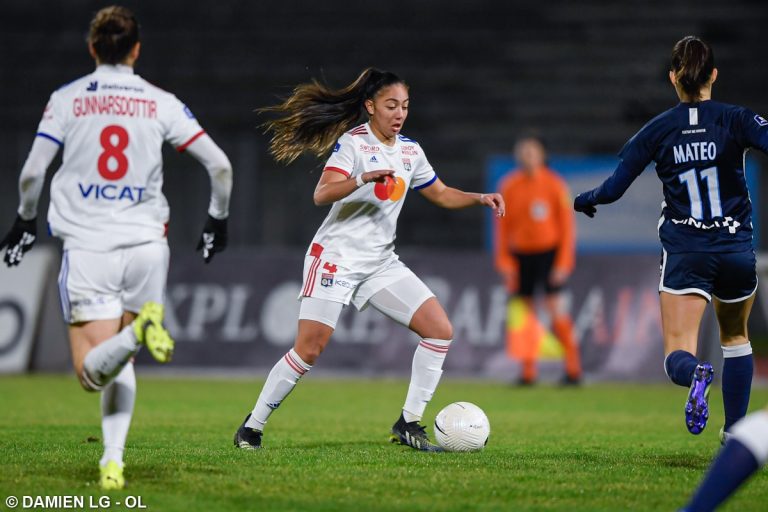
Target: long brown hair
(314, 116)
(692, 62)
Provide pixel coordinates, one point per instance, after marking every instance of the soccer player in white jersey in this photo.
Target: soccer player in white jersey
(351, 258)
(107, 206)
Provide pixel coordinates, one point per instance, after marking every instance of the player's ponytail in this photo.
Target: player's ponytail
(692, 62)
(113, 33)
(314, 116)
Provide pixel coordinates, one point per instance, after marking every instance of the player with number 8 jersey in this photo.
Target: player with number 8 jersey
(705, 227)
(108, 207)
(108, 190)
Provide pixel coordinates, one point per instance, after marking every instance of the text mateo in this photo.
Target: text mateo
(694, 152)
(114, 105)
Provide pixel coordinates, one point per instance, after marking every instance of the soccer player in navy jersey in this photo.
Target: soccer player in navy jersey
(705, 227)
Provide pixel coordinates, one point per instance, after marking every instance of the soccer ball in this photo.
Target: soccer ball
(462, 427)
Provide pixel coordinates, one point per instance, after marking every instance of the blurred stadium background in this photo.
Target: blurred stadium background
(586, 75)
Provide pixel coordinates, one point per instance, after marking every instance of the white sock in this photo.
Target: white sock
(752, 432)
(117, 401)
(280, 382)
(737, 350)
(425, 374)
(106, 359)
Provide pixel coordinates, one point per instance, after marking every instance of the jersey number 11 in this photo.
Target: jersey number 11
(691, 180)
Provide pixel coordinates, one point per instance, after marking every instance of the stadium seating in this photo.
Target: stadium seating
(583, 73)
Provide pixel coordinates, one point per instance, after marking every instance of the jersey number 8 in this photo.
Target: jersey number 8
(713, 191)
(113, 152)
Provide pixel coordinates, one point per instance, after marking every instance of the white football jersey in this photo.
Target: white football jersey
(359, 231)
(112, 125)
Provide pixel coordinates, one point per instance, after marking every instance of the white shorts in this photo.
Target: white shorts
(394, 290)
(102, 285)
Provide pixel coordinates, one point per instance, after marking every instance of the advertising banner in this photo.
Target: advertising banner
(24, 306)
(240, 313)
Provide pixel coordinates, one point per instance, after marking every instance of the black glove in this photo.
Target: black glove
(584, 205)
(214, 238)
(19, 240)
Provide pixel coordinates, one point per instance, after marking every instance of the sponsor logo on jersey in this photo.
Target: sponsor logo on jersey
(391, 189)
(367, 148)
(336, 148)
(121, 87)
(727, 222)
(407, 164)
(326, 280)
(344, 284)
(760, 120)
(93, 86)
(188, 112)
(373, 160)
(109, 192)
(409, 150)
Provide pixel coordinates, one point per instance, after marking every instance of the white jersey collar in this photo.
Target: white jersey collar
(114, 68)
(384, 147)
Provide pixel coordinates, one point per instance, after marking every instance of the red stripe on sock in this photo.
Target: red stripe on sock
(433, 347)
(298, 369)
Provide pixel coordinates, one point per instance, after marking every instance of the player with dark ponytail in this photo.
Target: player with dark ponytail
(351, 258)
(108, 207)
(315, 116)
(693, 63)
(705, 228)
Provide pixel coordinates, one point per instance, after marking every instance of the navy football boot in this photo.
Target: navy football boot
(696, 407)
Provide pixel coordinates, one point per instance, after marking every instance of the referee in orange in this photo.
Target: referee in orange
(535, 249)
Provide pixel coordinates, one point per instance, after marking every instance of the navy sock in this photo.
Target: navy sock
(731, 468)
(737, 384)
(679, 366)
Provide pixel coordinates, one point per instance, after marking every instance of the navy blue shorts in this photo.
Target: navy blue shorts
(728, 277)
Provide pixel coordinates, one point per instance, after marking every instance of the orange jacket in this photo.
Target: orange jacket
(539, 218)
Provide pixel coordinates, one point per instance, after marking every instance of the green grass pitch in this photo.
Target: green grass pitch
(602, 447)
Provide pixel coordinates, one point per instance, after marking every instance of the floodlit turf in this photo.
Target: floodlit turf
(603, 447)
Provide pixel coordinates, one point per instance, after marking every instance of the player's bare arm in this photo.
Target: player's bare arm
(333, 186)
(452, 198)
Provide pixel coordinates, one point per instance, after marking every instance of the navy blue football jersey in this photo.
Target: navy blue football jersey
(699, 151)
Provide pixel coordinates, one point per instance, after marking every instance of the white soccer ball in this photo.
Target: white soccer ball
(462, 427)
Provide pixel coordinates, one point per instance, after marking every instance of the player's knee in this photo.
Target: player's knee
(442, 330)
(310, 353)
(310, 347)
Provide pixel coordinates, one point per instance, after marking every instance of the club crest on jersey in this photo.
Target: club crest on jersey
(326, 280)
(760, 120)
(407, 164)
(93, 86)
